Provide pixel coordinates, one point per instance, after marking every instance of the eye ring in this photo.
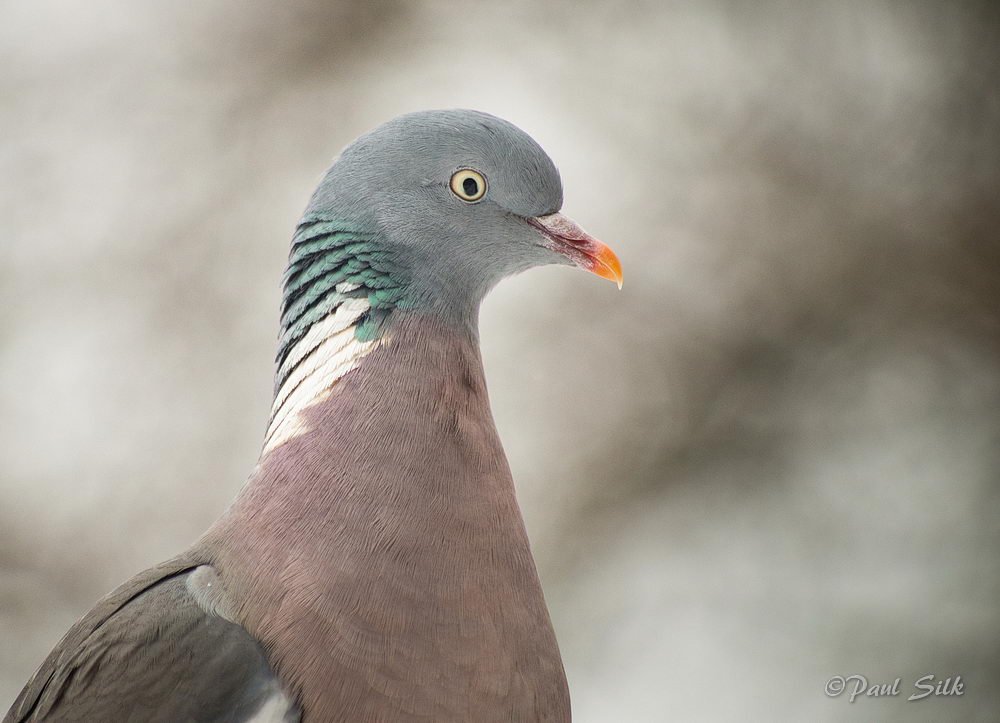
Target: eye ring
(468, 185)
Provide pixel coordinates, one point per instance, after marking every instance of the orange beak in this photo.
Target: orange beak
(566, 237)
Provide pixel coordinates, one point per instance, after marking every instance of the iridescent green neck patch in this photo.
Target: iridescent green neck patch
(332, 262)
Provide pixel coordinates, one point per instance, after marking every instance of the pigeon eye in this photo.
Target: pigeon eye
(468, 185)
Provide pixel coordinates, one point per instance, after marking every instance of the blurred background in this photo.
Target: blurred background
(771, 459)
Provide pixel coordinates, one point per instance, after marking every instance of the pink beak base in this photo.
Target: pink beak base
(565, 236)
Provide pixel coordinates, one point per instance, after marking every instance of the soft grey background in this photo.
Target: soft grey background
(771, 459)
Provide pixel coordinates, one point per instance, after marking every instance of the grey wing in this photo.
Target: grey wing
(154, 651)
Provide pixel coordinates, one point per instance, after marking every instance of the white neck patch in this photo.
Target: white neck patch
(327, 352)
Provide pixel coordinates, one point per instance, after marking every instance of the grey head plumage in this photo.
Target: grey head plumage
(452, 238)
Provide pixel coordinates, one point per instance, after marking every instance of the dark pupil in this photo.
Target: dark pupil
(470, 186)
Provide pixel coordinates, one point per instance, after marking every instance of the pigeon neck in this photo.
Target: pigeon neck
(342, 292)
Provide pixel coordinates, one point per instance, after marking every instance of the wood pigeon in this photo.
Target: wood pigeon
(375, 566)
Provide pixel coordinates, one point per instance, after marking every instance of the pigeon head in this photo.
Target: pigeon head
(452, 201)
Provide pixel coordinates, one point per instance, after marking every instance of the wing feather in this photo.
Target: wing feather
(151, 651)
